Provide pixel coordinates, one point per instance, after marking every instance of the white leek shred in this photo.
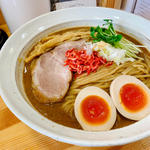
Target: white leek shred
(114, 54)
(88, 47)
(124, 51)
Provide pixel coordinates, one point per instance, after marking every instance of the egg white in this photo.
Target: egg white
(88, 91)
(115, 87)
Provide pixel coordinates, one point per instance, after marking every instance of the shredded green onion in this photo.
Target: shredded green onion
(108, 34)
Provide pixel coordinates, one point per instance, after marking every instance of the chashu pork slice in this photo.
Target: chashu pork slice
(60, 50)
(50, 79)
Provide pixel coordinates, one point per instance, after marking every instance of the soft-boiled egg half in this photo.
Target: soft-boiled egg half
(131, 97)
(94, 109)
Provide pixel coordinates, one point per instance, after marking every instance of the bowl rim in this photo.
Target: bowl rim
(25, 118)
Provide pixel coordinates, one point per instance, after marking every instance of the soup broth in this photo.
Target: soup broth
(54, 111)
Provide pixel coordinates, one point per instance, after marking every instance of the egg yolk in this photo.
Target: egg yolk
(133, 97)
(95, 110)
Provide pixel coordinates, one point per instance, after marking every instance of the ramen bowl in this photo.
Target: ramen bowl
(12, 62)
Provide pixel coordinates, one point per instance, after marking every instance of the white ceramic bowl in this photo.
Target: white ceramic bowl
(11, 87)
